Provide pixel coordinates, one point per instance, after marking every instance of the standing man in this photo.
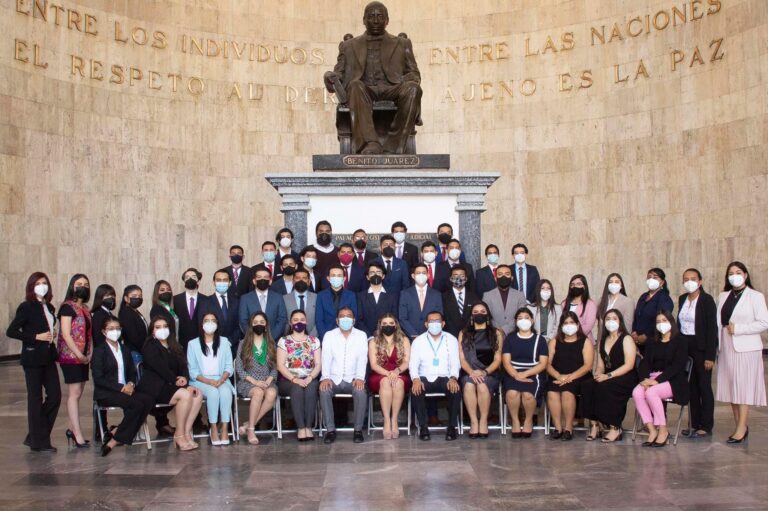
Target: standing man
(240, 275)
(263, 299)
(284, 283)
(301, 298)
(375, 301)
(429, 256)
(485, 277)
(443, 275)
(416, 302)
(354, 275)
(326, 252)
(308, 259)
(226, 307)
(284, 239)
(331, 299)
(363, 256)
(526, 276)
(408, 252)
(269, 261)
(444, 236)
(188, 307)
(504, 301)
(458, 302)
(396, 274)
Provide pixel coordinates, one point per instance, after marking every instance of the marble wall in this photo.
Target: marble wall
(128, 153)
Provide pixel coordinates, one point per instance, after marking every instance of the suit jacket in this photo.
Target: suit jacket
(368, 256)
(750, 317)
(504, 317)
(705, 338)
(552, 322)
(397, 60)
(225, 361)
(674, 367)
(279, 257)
(276, 270)
(244, 281)
(412, 317)
(29, 321)
(356, 278)
(276, 314)
(325, 312)
(229, 327)
(189, 327)
(484, 280)
(159, 310)
(410, 255)
(626, 306)
(443, 275)
(134, 328)
(398, 279)
(310, 304)
(159, 370)
(279, 287)
(104, 370)
(320, 281)
(532, 280)
(369, 312)
(455, 322)
(98, 318)
(439, 258)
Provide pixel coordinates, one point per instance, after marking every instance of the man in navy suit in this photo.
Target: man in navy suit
(308, 259)
(408, 252)
(363, 256)
(525, 277)
(263, 299)
(444, 236)
(375, 301)
(354, 275)
(226, 308)
(187, 306)
(331, 299)
(485, 277)
(443, 274)
(269, 262)
(240, 275)
(416, 302)
(396, 274)
(284, 283)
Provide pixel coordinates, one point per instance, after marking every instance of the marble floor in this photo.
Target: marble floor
(496, 474)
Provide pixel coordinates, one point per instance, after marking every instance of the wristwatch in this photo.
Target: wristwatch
(609, 375)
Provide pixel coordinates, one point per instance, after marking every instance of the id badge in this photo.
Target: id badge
(435, 361)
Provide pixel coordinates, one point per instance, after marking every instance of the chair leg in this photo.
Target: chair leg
(634, 426)
(370, 414)
(279, 417)
(408, 422)
(236, 417)
(98, 419)
(679, 423)
(461, 416)
(546, 418)
(502, 417)
(146, 435)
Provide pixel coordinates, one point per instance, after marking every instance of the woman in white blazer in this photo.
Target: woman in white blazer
(741, 317)
(546, 310)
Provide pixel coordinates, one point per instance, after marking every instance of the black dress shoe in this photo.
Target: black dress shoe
(567, 436)
(555, 435)
(732, 440)
(330, 437)
(473, 436)
(358, 437)
(50, 448)
(424, 434)
(482, 435)
(451, 434)
(105, 449)
(526, 434)
(517, 434)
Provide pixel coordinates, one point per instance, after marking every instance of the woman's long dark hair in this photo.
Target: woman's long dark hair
(128, 290)
(669, 317)
(527, 311)
(246, 350)
(537, 295)
(173, 344)
(660, 273)
(601, 309)
(71, 286)
(216, 335)
(742, 267)
(621, 332)
(560, 336)
(584, 297)
(469, 331)
(156, 292)
(98, 298)
(29, 293)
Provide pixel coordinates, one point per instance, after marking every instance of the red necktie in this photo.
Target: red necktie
(444, 253)
(346, 277)
(269, 267)
(429, 272)
(360, 258)
(494, 273)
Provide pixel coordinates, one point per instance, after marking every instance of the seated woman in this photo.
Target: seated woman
(114, 384)
(662, 376)
(525, 358)
(480, 355)
(389, 352)
(256, 372)
(604, 398)
(570, 364)
(165, 377)
(298, 361)
(210, 366)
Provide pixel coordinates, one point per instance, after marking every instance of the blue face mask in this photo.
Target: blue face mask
(435, 327)
(346, 324)
(269, 256)
(337, 282)
(222, 287)
(493, 258)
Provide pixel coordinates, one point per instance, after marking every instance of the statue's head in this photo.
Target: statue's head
(375, 18)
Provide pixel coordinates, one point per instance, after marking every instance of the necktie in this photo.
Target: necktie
(346, 277)
(236, 273)
(360, 259)
(520, 280)
(460, 301)
(269, 267)
(262, 302)
(191, 307)
(430, 278)
(494, 273)
(444, 253)
(224, 307)
(301, 302)
(389, 266)
(400, 252)
(421, 298)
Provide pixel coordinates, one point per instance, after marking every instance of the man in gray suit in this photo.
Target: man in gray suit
(505, 300)
(302, 298)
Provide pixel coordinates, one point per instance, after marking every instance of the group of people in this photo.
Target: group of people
(406, 322)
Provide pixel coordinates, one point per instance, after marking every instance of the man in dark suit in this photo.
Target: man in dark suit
(308, 260)
(485, 277)
(301, 298)
(331, 299)
(269, 260)
(408, 252)
(354, 275)
(284, 283)
(375, 301)
(240, 275)
(363, 256)
(284, 239)
(525, 276)
(226, 308)
(458, 302)
(444, 236)
(188, 306)
(262, 299)
(396, 274)
(443, 275)
(416, 302)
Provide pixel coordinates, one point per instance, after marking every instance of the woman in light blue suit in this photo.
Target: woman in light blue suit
(210, 365)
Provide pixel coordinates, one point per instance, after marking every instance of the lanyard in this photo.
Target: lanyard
(439, 345)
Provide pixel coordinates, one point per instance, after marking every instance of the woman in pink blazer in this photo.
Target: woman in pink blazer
(741, 317)
(578, 301)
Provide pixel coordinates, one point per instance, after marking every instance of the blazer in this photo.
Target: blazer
(504, 317)
(104, 370)
(369, 312)
(626, 306)
(455, 322)
(397, 60)
(157, 371)
(279, 287)
(189, 328)
(587, 319)
(320, 281)
(29, 321)
(356, 280)
(158, 310)
(325, 312)
(195, 361)
(439, 258)
(443, 275)
(368, 256)
(532, 280)
(705, 323)
(276, 314)
(98, 318)
(310, 304)
(410, 255)
(229, 327)
(411, 316)
(134, 327)
(484, 280)
(276, 270)
(750, 317)
(645, 311)
(552, 323)
(674, 367)
(244, 281)
(398, 279)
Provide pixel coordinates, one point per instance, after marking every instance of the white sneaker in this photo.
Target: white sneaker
(224, 442)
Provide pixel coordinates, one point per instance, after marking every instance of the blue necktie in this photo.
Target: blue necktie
(224, 308)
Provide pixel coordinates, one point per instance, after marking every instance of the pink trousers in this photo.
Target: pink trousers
(649, 402)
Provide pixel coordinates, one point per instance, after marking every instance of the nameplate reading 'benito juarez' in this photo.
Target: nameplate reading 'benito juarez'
(380, 161)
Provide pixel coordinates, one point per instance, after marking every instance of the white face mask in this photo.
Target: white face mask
(421, 279)
(209, 327)
(41, 290)
(454, 253)
(435, 327)
(429, 257)
(570, 329)
(399, 237)
(691, 286)
(611, 325)
(614, 288)
(653, 284)
(545, 295)
(285, 242)
(519, 258)
(524, 325)
(162, 333)
(663, 327)
(114, 335)
(736, 280)
(310, 262)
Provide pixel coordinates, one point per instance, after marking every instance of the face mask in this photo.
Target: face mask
(614, 288)
(435, 327)
(299, 327)
(114, 335)
(310, 262)
(109, 303)
(388, 252)
(164, 297)
(524, 324)
(190, 283)
(269, 256)
(336, 282)
(135, 303)
(376, 280)
(41, 290)
(324, 239)
(286, 242)
(399, 237)
(504, 282)
(360, 244)
(480, 319)
(454, 253)
(346, 259)
(300, 286)
(236, 259)
(388, 329)
(652, 284)
(545, 295)
(83, 293)
(570, 329)
(519, 258)
(421, 279)
(222, 287)
(691, 286)
(577, 291)
(346, 324)
(493, 259)
(209, 327)
(162, 333)
(663, 327)
(429, 257)
(444, 238)
(458, 281)
(611, 325)
(289, 270)
(262, 284)
(259, 329)
(736, 280)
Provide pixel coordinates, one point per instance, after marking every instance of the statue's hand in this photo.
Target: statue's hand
(328, 78)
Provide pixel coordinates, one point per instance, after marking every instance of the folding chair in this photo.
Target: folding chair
(460, 428)
(506, 426)
(373, 427)
(500, 425)
(275, 429)
(323, 426)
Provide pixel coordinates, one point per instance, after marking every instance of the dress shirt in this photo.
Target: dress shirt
(425, 349)
(221, 300)
(344, 358)
(523, 285)
(288, 285)
(49, 318)
(296, 296)
(262, 296)
(688, 317)
(377, 294)
(463, 293)
(399, 250)
(119, 359)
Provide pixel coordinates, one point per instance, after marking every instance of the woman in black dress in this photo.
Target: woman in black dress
(570, 364)
(525, 358)
(605, 397)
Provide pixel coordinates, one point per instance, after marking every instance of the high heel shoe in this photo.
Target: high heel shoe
(255, 440)
(590, 436)
(185, 446)
(732, 440)
(72, 439)
(619, 438)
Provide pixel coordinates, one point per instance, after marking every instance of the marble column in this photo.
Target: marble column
(295, 208)
(469, 207)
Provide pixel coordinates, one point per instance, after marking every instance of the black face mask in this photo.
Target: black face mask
(236, 259)
(480, 319)
(83, 293)
(165, 297)
(504, 282)
(577, 291)
(300, 286)
(289, 270)
(190, 284)
(376, 280)
(388, 252)
(388, 329)
(444, 238)
(360, 244)
(262, 284)
(259, 329)
(135, 303)
(324, 239)
(109, 303)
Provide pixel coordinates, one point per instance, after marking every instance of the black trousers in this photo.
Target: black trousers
(135, 411)
(702, 398)
(439, 385)
(42, 410)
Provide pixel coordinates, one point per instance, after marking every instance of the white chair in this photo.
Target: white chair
(373, 427)
(500, 425)
(275, 429)
(459, 429)
(323, 427)
(507, 426)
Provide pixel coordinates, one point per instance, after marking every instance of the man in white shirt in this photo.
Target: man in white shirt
(434, 367)
(345, 357)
